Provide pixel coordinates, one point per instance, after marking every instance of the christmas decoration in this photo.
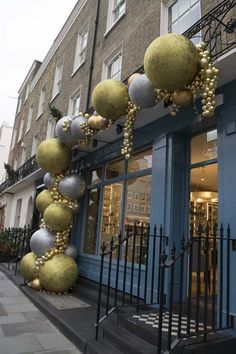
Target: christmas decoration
(41, 242)
(27, 266)
(43, 200)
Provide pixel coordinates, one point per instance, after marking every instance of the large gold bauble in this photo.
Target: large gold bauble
(171, 62)
(110, 99)
(58, 274)
(36, 284)
(58, 216)
(27, 266)
(53, 155)
(183, 97)
(43, 200)
(97, 122)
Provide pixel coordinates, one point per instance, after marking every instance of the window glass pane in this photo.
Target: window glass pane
(97, 175)
(183, 6)
(110, 226)
(174, 12)
(184, 22)
(115, 169)
(204, 147)
(195, 14)
(140, 161)
(175, 28)
(92, 221)
(138, 204)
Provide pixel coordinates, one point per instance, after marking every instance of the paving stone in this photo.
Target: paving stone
(39, 326)
(14, 300)
(34, 316)
(19, 345)
(53, 341)
(11, 308)
(12, 318)
(3, 311)
(1, 332)
(60, 351)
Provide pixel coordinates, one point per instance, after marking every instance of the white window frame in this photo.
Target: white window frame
(18, 212)
(13, 139)
(80, 52)
(164, 20)
(30, 116)
(72, 99)
(110, 59)
(41, 102)
(27, 92)
(19, 104)
(50, 128)
(112, 7)
(23, 156)
(58, 78)
(21, 130)
(35, 144)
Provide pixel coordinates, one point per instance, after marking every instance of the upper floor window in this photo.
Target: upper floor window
(35, 144)
(19, 105)
(81, 47)
(13, 141)
(27, 92)
(74, 103)
(30, 115)
(50, 128)
(116, 9)
(41, 102)
(58, 77)
(21, 130)
(183, 14)
(112, 65)
(23, 156)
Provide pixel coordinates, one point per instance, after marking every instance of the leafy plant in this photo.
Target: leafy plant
(57, 115)
(11, 173)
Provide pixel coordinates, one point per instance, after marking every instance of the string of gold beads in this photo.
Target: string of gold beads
(127, 147)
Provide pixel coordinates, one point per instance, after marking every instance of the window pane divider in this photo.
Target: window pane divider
(203, 163)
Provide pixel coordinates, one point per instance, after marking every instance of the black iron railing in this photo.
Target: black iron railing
(25, 170)
(14, 244)
(190, 287)
(216, 28)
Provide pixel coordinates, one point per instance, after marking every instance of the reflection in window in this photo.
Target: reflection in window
(138, 212)
(204, 147)
(111, 212)
(97, 175)
(115, 169)
(92, 220)
(140, 161)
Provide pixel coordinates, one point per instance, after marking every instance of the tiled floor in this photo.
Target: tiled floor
(24, 329)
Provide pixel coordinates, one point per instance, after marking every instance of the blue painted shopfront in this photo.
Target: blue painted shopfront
(169, 139)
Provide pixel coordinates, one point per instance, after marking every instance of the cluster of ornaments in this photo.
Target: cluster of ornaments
(176, 72)
(51, 264)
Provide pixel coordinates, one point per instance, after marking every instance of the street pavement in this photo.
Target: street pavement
(24, 329)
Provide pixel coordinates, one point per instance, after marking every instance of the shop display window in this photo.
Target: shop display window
(92, 221)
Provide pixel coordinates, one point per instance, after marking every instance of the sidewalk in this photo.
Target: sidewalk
(24, 329)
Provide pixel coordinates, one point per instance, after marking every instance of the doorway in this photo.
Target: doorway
(203, 204)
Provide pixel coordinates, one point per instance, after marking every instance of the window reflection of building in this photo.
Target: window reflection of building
(134, 204)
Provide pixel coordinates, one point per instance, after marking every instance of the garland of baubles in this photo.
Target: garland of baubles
(176, 72)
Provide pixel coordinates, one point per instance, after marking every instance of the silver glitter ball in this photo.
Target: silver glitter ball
(75, 127)
(71, 251)
(72, 186)
(63, 133)
(49, 180)
(142, 93)
(41, 241)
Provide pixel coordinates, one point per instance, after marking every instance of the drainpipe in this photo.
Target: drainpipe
(92, 55)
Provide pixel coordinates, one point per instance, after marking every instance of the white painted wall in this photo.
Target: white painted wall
(5, 142)
(26, 193)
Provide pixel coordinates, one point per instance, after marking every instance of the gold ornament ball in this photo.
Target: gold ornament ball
(27, 266)
(36, 284)
(110, 99)
(132, 77)
(97, 122)
(171, 62)
(183, 97)
(58, 216)
(58, 274)
(53, 155)
(43, 200)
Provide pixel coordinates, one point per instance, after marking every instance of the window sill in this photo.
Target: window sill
(77, 68)
(114, 24)
(40, 114)
(27, 131)
(53, 98)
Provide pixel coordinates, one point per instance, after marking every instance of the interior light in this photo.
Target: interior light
(202, 179)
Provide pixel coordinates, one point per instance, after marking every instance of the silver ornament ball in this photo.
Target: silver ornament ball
(141, 92)
(63, 133)
(72, 186)
(71, 251)
(48, 180)
(41, 241)
(76, 129)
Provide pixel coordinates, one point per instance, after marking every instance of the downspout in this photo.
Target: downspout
(92, 55)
